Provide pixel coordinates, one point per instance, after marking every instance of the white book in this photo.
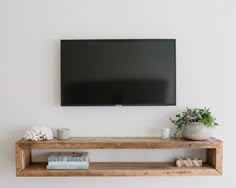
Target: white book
(75, 167)
(68, 163)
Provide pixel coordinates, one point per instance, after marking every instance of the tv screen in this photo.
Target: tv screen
(118, 72)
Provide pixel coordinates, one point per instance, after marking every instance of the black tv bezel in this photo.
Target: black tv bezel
(79, 105)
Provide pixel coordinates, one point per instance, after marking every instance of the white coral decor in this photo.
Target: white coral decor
(38, 133)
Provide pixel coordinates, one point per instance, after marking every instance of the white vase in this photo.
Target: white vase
(197, 131)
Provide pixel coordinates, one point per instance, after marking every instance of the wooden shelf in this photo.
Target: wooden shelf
(122, 169)
(212, 167)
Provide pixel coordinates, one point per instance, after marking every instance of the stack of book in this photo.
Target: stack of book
(68, 160)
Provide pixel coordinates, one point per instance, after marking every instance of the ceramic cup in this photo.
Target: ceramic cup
(165, 133)
(63, 133)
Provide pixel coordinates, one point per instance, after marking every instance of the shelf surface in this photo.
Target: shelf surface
(213, 167)
(123, 169)
(118, 142)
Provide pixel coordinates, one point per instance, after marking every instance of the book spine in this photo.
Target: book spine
(68, 159)
(67, 163)
(74, 167)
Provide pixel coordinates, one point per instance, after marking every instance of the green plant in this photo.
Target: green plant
(202, 115)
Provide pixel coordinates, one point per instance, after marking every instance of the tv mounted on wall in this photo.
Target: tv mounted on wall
(134, 72)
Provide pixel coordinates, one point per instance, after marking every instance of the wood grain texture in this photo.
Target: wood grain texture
(212, 168)
(23, 158)
(123, 169)
(219, 158)
(118, 142)
(215, 158)
(18, 155)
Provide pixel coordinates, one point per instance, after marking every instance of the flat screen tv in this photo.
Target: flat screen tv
(132, 72)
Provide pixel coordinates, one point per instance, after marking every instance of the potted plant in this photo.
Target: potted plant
(195, 124)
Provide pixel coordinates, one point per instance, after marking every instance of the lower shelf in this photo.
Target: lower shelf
(123, 169)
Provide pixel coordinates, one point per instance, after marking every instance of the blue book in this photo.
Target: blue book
(67, 163)
(68, 167)
(69, 157)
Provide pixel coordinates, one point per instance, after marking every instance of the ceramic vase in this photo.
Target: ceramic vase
(197, 131)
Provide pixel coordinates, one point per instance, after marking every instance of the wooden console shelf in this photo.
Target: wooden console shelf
(212, 167)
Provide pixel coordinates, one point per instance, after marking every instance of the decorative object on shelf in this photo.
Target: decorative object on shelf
(68, 160)
(188, 162)
(63, 133)
(195, 124)
(165, 133)
(38, 134)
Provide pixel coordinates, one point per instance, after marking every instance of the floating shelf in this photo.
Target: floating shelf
(212, 167)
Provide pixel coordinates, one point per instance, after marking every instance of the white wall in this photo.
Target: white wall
(30, 31)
